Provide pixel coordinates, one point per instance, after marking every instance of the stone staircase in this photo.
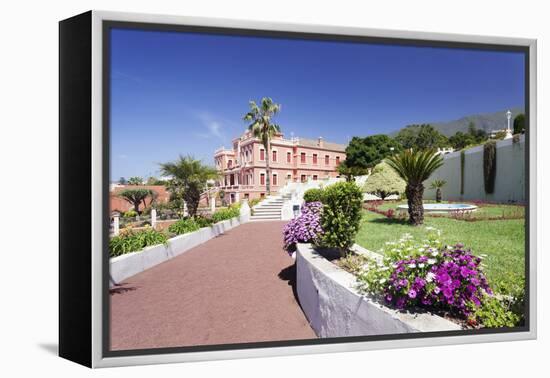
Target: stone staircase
(270, 208)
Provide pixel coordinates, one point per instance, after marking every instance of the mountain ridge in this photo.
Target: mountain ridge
(486, 121)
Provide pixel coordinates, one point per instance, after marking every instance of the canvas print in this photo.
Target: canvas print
(278, 189)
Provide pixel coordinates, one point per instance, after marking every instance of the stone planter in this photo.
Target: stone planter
(335, 308)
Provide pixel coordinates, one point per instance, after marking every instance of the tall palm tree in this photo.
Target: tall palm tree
(189, 180)
(415, 167)
(262, 128)
(437, 185)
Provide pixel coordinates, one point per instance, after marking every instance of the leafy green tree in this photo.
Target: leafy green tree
(350, 172)
(136, 197)
(519, 124)
(461, 140)
(364, 153)
(135, 180)
(421, 137)
(263, 129)
(189, 179)
(438, 185)
(384, 182)
(479, 135)
(415, 167)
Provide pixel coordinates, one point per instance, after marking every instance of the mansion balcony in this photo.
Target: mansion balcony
(236, 187)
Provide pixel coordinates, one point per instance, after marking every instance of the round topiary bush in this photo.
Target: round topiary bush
(341, 215)
(313, 195)
(384, 182)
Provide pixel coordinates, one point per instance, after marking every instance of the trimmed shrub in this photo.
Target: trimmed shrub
(384, 182)
(306, 228)
(489, 166)
(132, 241)
(313, 195)
(341, 215)
(184, 226)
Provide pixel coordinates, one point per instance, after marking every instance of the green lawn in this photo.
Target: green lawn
(503, 241)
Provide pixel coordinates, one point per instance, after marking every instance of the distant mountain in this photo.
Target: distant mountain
(486, 121)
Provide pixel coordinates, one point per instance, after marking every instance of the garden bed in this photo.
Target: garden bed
(335, 307)
(129, 264)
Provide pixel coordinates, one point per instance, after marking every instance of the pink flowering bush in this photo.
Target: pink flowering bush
(306, 228)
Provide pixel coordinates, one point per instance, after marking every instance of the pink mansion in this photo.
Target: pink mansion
(291, 160)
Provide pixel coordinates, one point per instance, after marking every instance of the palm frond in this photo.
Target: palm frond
(415, 167)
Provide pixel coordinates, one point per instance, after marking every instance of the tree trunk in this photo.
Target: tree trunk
(192, 197)
(438, 195)
(415, 192)
(136, 206)
(267, 169)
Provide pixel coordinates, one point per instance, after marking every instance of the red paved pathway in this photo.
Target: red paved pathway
(233, 289)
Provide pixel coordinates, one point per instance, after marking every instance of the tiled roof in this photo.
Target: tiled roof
(327, 145)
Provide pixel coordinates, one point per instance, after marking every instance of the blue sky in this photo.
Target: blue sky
(183, 93)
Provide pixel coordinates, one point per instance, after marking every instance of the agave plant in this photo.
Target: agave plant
(437, 185)
(415, 167)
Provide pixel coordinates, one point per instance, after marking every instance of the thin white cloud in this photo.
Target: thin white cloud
(212, 127)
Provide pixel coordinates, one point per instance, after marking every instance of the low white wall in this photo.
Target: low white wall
(129, 264)
(335, 308)
(509, 181)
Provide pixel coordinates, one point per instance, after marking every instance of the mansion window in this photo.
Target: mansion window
(327, 160)
(288, 157)
(314, 158)
(274, 155)
(303, 157)
(314, 177)
(337, 160)
(262, 178)
(274, 179)
(262, 154)
(303, 178)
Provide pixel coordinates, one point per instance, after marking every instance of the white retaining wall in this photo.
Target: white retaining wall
(129, 264)
(335, 308)
(509, 181)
